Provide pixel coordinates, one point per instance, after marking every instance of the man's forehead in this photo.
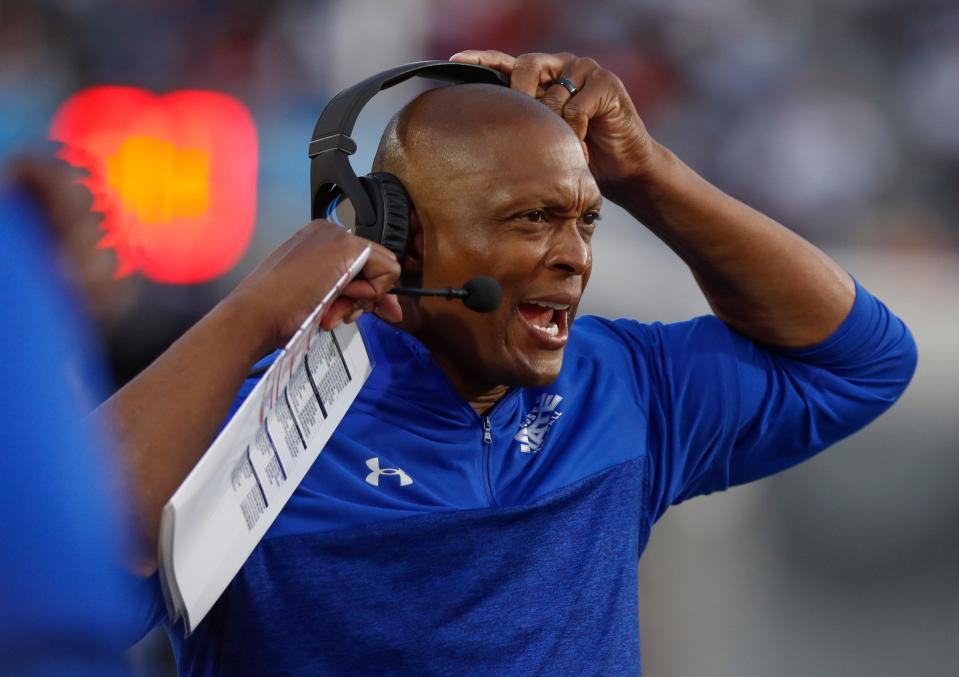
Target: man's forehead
(560, 188)
(523, 166)
(522, 147)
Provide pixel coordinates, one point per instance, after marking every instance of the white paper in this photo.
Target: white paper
(237, 489)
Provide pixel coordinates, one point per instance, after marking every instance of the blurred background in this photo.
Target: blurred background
(840, 118)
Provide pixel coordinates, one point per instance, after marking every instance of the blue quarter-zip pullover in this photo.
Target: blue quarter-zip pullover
(427, 539)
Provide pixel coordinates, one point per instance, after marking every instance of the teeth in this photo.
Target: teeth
(552, 328)
(544, 304)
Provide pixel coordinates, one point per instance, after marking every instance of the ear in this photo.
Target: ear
(413, 260)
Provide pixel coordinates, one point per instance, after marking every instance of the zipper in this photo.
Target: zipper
(487, 446)
(486, 461)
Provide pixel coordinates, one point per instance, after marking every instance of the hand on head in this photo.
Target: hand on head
(598, 108)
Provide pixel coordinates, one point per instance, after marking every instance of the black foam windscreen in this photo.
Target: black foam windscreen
(485, 294)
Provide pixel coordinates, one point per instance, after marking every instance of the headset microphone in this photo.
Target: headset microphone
(480, 294)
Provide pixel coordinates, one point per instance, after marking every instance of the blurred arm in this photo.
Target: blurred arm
(165, 418)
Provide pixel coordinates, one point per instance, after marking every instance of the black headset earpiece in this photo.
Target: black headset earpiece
(375, 206)
(392, 205)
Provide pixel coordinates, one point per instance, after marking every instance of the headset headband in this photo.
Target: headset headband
(332, 144)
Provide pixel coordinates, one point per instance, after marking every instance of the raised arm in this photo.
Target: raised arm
(760, 278)
(165, 418)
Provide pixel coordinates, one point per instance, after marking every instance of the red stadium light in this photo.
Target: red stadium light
(173, 175)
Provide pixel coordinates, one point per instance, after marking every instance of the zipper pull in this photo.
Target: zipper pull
(487, 432)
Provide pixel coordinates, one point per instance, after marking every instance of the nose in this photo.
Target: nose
(570, 251)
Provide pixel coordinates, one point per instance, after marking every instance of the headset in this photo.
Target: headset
(374, 206)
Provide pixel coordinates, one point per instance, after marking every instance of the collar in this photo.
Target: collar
(403, 365)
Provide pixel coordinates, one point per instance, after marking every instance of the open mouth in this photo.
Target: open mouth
(550, 320)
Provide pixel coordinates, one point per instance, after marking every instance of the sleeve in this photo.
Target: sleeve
(724, 410)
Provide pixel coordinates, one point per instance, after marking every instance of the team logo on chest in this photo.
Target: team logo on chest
(533, 429)
(374, 477)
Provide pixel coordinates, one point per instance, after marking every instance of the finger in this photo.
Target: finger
(486, 57)
(599, 95)
(556, 95)
(361, 289)
(346, 309)
(381, 260)
(364, 291)
(532, 72)
(337, 312)
(381, 270)
(388, 308)
(377, 277)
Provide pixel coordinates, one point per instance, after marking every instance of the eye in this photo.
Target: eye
(591, 217)
(535, 216)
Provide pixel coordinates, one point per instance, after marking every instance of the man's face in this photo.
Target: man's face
(522, 211)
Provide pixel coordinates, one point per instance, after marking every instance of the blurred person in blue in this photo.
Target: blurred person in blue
(68, 606)
(483, 505)
(65, 600)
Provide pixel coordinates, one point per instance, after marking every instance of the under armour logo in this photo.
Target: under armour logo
(533, 429)
(374, 477)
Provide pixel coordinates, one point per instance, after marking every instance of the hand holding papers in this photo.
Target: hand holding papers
(235, 492)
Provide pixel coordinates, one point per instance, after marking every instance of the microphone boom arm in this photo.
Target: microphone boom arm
(480, 294)
(448, 293)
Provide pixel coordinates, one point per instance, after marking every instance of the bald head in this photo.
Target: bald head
(461, 130)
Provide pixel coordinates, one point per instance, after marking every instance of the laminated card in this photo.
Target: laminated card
(235, 492)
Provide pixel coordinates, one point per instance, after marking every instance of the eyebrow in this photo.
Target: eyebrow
(531, 191)
(550, 200)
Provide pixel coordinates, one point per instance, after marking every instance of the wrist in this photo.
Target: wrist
(643, 181)
(246, 325)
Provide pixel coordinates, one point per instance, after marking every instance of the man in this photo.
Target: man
(483, 505)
